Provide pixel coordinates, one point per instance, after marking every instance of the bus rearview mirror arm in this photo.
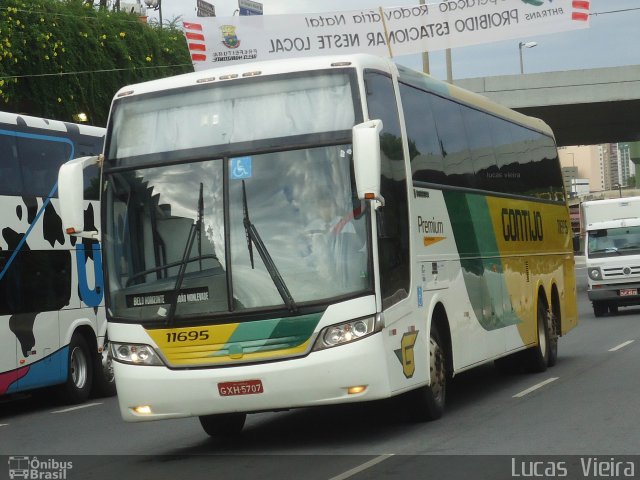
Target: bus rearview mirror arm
(71, 195)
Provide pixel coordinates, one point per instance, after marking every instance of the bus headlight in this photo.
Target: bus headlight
(135, 354)
(595, 273)
(346, 332)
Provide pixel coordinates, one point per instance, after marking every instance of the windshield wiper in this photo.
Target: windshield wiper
(606, 250)
(253, 238)
(200, 222)
(195, 230)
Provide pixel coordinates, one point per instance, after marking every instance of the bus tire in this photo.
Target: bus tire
(428, 402)
(79, 372)
(223, 425)
(104, 383)
(538, 356)
(552, 332)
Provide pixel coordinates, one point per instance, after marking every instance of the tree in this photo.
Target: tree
(62, 57)
(632, 182)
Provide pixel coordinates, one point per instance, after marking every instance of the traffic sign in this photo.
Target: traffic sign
(205, 9)
(249, 7)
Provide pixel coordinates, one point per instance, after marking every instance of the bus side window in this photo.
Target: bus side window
(36, 281)
(10, 181)
(394, 245)
(41, 161)
(424, 145)
(458, 167)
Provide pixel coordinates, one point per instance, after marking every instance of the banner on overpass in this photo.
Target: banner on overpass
(384, 31)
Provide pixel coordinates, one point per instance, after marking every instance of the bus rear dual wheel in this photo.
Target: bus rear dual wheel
(545, 353)
(541, 356)
(79, 381)
(89, 374)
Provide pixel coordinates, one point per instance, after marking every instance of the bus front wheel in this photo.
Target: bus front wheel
(427, 403)
(104, 384)
(223, 424)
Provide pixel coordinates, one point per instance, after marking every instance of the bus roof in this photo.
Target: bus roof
(269, 67)
(360, 61)
(18, 119)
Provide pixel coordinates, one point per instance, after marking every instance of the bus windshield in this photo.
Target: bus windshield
(300, 202)
(223, 232)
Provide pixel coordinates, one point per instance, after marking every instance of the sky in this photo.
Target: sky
(612, 40)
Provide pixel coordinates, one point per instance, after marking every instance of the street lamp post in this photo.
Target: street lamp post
(619, 187)
(520, 45)
(155, 5)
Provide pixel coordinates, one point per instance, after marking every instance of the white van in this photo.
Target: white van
(612, 253)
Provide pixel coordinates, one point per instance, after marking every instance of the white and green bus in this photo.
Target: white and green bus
(320, 231)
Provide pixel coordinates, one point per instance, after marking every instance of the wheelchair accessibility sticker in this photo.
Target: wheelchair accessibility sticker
(240, 168)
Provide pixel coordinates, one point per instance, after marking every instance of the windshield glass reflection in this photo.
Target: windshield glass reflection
(301, 204)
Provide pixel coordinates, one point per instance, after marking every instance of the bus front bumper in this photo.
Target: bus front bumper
(321, 378)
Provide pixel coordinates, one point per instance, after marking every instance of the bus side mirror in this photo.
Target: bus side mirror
(366, 160)
(71, 195)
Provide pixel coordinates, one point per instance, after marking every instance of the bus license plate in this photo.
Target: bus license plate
(245, 387)
(625, 292)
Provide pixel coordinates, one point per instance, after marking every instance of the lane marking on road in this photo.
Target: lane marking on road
(79, 407)
(535, 387)
(622, 345)
(363, 467)
(4, 424)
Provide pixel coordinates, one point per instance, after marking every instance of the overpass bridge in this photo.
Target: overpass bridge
(603, 195)
(583, 107)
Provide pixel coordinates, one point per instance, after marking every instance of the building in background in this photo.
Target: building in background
(609, 166)
(582, 165)
(627, 168)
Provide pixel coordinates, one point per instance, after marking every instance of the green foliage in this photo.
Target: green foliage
(632, 181)
(62, 57)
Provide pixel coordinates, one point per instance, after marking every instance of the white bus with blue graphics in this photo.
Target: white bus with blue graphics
(52, 319)
(322, 230)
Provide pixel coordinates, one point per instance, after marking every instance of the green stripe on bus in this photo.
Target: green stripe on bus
(273, 334)
(480, 261)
